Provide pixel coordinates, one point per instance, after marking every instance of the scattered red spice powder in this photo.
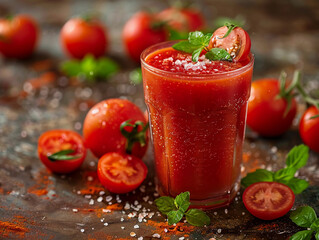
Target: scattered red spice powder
(91, 187)
(42, 65)
(267, 227)
(181, 229)
(15, 228)
(43, 183)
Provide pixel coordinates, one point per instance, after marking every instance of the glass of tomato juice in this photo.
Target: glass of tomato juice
(197, 115)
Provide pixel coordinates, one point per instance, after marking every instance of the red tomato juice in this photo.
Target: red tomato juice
(197, 114)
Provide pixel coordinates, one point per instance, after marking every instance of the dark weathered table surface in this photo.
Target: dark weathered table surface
(36, 204)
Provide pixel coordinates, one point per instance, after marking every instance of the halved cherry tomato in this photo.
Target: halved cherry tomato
(266, 112)
(101, 128)
(182, 19)
(54, 141)
(18, 36)
(268, 200)
(309, 128)
(121, 173)
(237, 43)
(141, 31)
(80, 37)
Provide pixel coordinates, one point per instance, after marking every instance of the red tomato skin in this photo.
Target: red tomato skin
(120, 186)
(265, 113)
(217, 41)
(65, 136)
(309, 128)
(185, 19)
(101, 128)
(19, 36)
(80, 37)
(138, 34)
(268, 214)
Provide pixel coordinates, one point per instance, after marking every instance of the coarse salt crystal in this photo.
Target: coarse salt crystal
(122, 227)
(101, 193)
(106, 224)
(108, 198)
(156, 235)
(132, 234)
(82, 230)
(140, 238)
(106, 210)
(136, 226)
(75, 210)
(127, 206)
(99, 199)
(91, 202)
(122, 219)
(165, 230)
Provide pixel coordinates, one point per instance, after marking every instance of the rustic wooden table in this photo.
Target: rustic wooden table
(36, 204)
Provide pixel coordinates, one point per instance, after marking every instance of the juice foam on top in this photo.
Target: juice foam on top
(171, 60)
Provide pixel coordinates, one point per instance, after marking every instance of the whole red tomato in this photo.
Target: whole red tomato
(18, 36)
(141, 31)
(102, 127)
(266, 112)
(183, 19)
(121, 173)
(80, 37)
(62, 151)
(309, 128)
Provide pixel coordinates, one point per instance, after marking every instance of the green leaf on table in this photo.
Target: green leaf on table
(136, 76)
(297, 185)
(284, 175)
(303, 216)
(260, 175)
(298, 156)
(165, 204)
(63, 155)
(197, 217)
(90, 68)
(182, 201)
(302, 235)
(216, 54)
(174, 217)
(315, 225)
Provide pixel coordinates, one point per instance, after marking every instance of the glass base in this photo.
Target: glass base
(211, 203)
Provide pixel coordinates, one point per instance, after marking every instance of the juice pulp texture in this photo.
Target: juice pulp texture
(197, 113)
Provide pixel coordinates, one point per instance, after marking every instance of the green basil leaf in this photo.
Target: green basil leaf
(185, 46)
(106, 68)
(71, 68)
(298, 156)
(197, 217)
(302, 235)
(196, 54)
(182, 201)
(297, 185)
(136, 76)
(177, 35)
(303, 216)
(284, 175)
(207, 38)
(216, 54)
(260, 175)
(317, 236)
(315, 225)
(197, 38)
(165, 204)
(63, 155)
(174, 216)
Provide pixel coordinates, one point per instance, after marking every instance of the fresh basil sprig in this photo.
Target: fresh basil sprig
(175, 209)
(296, 159)
(197, 42)
(305, 217)
(90, 68)
(63, 155)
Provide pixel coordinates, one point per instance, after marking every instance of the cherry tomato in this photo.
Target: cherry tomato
(18, 36)
(121, 173)
(80, 37)
(141, 31)
(309, 128)
(101, 128)
(237, 43)
(182, 19)
(266, 113)
(54, 141)
(268, 200)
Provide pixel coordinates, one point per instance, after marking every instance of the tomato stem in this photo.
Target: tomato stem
(134, 135)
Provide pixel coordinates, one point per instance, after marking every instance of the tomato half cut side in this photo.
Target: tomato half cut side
(268, 200)
(237, 43)
(121, 173)
(54, 141)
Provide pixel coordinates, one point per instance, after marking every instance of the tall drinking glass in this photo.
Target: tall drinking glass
(197, 129)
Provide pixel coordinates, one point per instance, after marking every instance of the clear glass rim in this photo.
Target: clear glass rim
(167, 44)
